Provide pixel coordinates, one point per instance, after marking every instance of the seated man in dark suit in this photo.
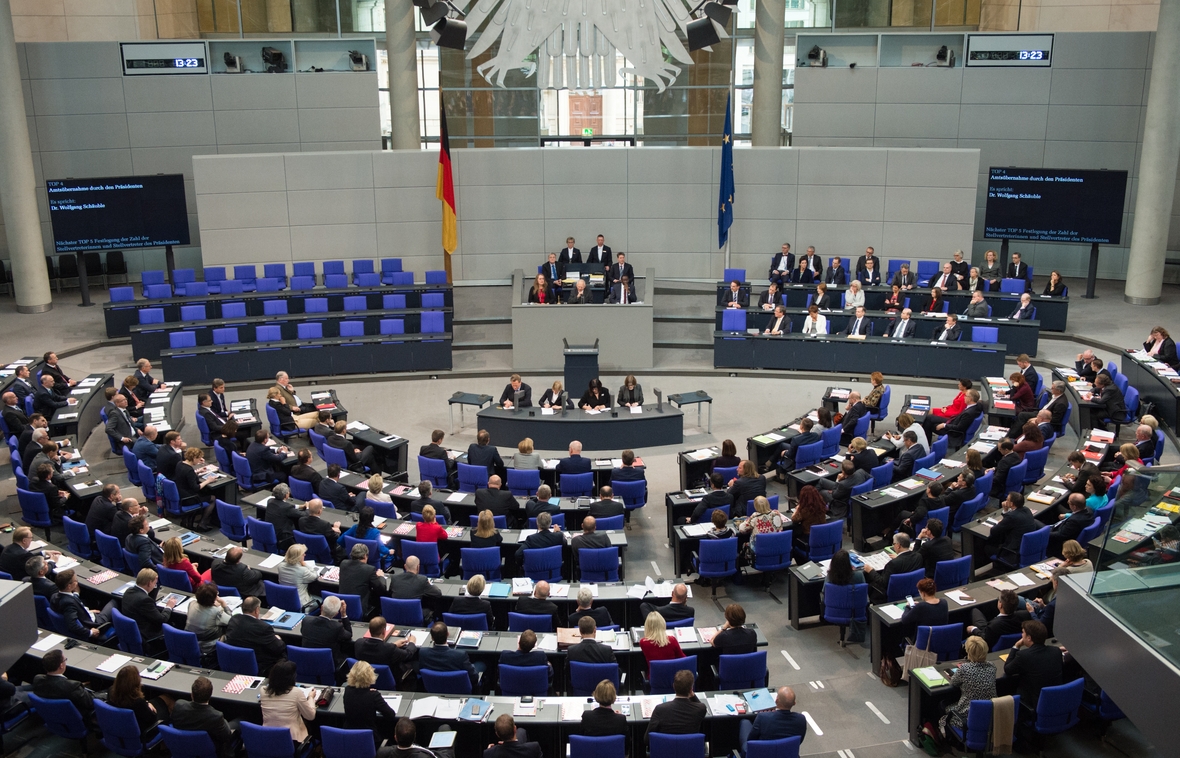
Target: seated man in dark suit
(329, 629)
(231, 572)
(37, 569)
(508, 396)
(622, 292)
(53, 685)
(600, 615)
(934, 546)
(436, 451)
(360, 459)
(789, 450)
(1017, 521)
(139, 605)
(143, 546)
(425, 489)
(838, 492)
(247, 630)
(499, 502)
(440, 656)
(145, 447)
(574, 463)
(82, 623)
(359, 577)
(717, 497)
(103, 509)
(1071, 524)
(736, 297)
(544, 536)
(628, 472)
(197, 715)
(538, 603)
(903, 465)
(16, 555)
(46, 401)
(213, 420)
(903, 562)
(677, 609)
(265, 464)
(284, 515)
(683, 714)
(606, 506)
(511, 742)
(1037, 664)
(778, 724)
(853, 412)
(858, 324)
(482, 453)
(410, 585)
(374, 648)
(332, 492)
(1008, 620)
(303, 470)
(621, 268)
(1008, 457)
(956, 427)
(14, 415)
(1111, 405)
(470, 603)
(589, 538)
(526, 654)
(312, 523)
(539, 503)
(589, 650)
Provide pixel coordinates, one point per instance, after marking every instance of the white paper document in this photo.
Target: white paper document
(455, 497)
(48, 641)
(271, 561)
(892, 611)
(1020, 580)
(423, 708)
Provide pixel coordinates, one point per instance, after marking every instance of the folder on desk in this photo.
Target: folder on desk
(758, 700)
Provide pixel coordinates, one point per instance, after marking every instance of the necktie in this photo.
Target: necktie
(856, 327)
(624, 295)
(900, 329)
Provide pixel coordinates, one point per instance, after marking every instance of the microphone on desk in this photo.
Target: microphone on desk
(659, 399)
(565, 397)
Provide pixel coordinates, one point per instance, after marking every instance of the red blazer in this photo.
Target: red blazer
(186, 566)
(957, 406)
(430, 532)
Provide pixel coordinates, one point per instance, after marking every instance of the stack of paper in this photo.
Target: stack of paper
(719, 704)
(114, 663)
(271, 561)
(960, 597)
(424, 707)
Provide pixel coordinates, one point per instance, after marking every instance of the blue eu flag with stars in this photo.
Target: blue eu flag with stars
(725, 196)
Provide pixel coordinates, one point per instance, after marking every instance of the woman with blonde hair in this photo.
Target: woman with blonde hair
(602, 721)
(763, 521)
(364, 707)
(656, 644)
(486, 534)
(541, 293)
(525, 458)
(295, 572)
(376, 484)
(174, 558)
(976, 680)
(748, 485)
(1076, 561)
(552, 397)
(630, 394)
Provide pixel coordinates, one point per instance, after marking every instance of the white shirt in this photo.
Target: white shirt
(942, 280)
(818, 326)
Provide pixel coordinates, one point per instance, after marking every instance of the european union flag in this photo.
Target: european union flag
(725, 196)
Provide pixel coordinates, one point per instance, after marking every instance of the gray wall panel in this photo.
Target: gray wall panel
(1089, 86)
(253, 92)
(1109, 49)
(171, 129)
(79, 163)
(924, 85)
(73, 60)
(671, 201)
(843, 85)
(1103, 123)
(917, 120)
(257, 127)
(333, 241)
(497, 167)
(347, 146)
(766, 165)
(767, 201)
(396, 204)
(566, 167)
(954, 205)
(510, 201)
(832, 203)
(340, 124)
(149, 94)
(761, 237)
(835, 120)
(590, 201)
(168, 160)
(926, 241)
(93, 132)
(66, 97)
(832, 238)
(247, 173)
(664, 165)
(1007, 86)
(235, 210)
(248, 245)
(932, 168)
(849, 167)
(1108, 155)
(402, 169)
(331, 207)
(1007, 122)
(324, 172)
(334, 90)
(255, 148)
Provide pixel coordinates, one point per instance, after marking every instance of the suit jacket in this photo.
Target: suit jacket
(141, 607)
(565, 256)
(468, 604)
(1166, 353)
(61, 688)
(600, 615)
(870, 278)
(550, 294)
(951, 334)
(1012, 527)
(256, 634)
(779, 325)
(905, 279)
(976, 310)
(148, 452)
(16, 420)
(166, 459)
(590, 651)
(539, 540)
(372, 650)
(334, 494)
(1072, 525)
(285, 517)
(73, 610)
(618, 272)
(835, 275)
(46, 402)
(851, 417)
(842, 494)
(499, 502)
(616, 293)
(101, 515)
(946, 282)
(149, 552)
(212, 420)
(309, 524)
(1001, 625)
(783, 263)
(765, 299)
(1022, 312)
(514, 749)
(815, 264)
(264, 462)
(553, 400)
(21, 389)
(935, 550)
(220, 404)
(1000, 478)
(799, 440)
(244, 579)
(352, 454)
(553, 272)
(802, 276)
(1112, 404)
(438, 453)
(445, 658)
(741, 297)
(1017, 270)
(332, 634)
(601, 255)
(573, 298)
(535, 606)
(744, 490)
(574, 464)
(604, 722)
(677, 716)
(866, 460)
(485, 455)
(306, 474)
(360, 578)
(410, 586)
(13, 559)
(1038, 666)
(202, 717)
(606, 509)
(957, 425)
(778, 724)
(861, 328)
(902, 564)
(907, 330)
(526, 400)
(860, 263)
(903, 466)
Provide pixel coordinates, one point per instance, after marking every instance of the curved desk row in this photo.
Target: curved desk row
(255, 361)
(149, 340)
(835, 353)
(1155, 387)
(613, 429)
(1053, 312)
(121, 316)
(1016, 336)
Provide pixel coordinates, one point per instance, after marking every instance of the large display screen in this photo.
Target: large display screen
(1055, 205)
(118, 213)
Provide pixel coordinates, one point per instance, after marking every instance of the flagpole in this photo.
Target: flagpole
(731, 100)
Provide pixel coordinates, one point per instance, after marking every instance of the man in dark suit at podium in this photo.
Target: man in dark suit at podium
(508, 396)
(600, 254)
(569, 253)
(621, 269)
(623, 292)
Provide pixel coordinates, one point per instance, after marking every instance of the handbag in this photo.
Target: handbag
(889, 671)
(916, 658)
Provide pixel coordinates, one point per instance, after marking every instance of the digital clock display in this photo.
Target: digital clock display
(167, 63)
(1009, 55)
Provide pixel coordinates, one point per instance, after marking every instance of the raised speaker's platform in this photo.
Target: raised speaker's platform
(615, 429)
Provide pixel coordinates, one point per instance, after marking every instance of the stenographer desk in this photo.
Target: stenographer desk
(1052, 312)
(836, 353)
(1017, 336)
(121, 316)
(8, 373)
(252, 361)
(81, 418)
(612, 429)
(148, 340)
(1154, 387)
(546, 727)
(1085, 412)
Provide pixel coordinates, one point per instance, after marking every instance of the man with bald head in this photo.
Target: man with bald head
(574, 463)
(46, 401)
(312, 523)
(231, 572)
(1145, 442)
(538, 603)
(677, 609)
(410, 585)
(852, 414)
(1082, 365)
(589, 538)
(14, 415)
(499, 502)
(778, 724)
(146, 448)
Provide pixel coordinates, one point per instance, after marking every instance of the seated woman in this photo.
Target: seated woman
(1096, 487)
(127, 692)
(764, 521)
(733, 638)
(810, 511)
(825, 419)
(486, 534)
(991, 270)
(552, 397)
(721, 529)
(207, 618)
(841, 573)
(821, 299)
(1055, 287)
(1021, 393)
(295, 572)
(174, 558)
(928, 610)
(814, 322)
(656, 644)
(802, 275)
(285, 705)
(595, 398)
(375, 485)
(189, 486)
(364, 530)
(602, 721)
(894, 301)
(854, 297)
(541, 292)
(135, 403)
(630, 394)
(976, 680)
(364, 707)
(429, 530)
(525, 458)
(275, 400)
(873, 399)
(229, 439)
(935, 304)
(729, 457)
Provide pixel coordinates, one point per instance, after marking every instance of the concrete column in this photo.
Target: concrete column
(403, 74)
(1157, 167)
(766, 118)
(18, 193)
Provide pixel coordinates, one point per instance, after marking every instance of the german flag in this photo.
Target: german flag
(445, 188)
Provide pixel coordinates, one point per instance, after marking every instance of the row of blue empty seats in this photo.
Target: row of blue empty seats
(200, 311)
(432, 323)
